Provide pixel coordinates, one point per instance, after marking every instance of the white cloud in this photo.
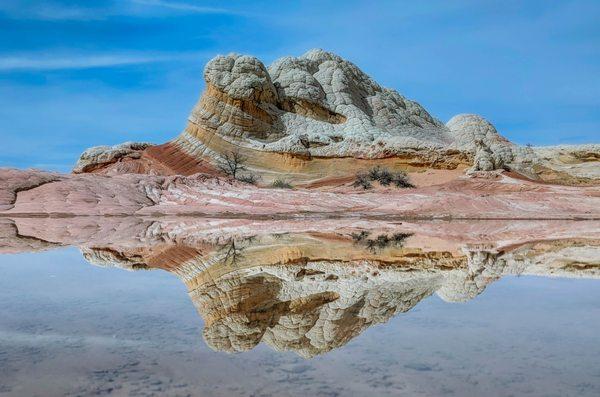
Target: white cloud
(85, 61)
(50, 11)
(183, 7)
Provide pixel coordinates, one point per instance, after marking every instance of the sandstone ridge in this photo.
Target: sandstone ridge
(318, 118)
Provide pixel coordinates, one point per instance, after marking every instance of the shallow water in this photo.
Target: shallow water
(301, 313)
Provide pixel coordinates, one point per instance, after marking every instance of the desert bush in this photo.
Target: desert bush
(358, 237)
(382, 175)
(399, 238)
(362, 180)
(374, 173)
(248, 178)
(401, 180)
(381, 241)
(281, 184)
(385, 177)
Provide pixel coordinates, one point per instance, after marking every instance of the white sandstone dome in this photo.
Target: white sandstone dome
(475, 134)
(240, 77)
(470, 128)
(319, 106)
(317, 102)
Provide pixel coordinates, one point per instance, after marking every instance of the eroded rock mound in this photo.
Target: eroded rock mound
(580, 161)
(318, 118)
(311, 95)
(478, 136)
(99, 156)
(13, 181)
(315, 105)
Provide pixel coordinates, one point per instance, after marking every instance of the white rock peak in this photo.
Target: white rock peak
(322, 102)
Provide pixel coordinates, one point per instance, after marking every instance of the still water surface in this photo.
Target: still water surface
(68, 327)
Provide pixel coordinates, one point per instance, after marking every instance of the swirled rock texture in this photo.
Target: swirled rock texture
(319, 97)
(99, 156)
(317, 119)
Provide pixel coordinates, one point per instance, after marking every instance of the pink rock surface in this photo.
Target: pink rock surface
(485, 196)
(23, 234)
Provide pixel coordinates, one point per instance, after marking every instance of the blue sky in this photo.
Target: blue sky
(79, 74)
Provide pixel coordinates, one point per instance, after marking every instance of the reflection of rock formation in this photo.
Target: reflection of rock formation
(318, 305)
(312, 287)
(464, 284)
(311, 324)
(309, 308)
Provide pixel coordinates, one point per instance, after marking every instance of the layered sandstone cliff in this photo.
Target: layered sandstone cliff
(317, 119)
(313, 123)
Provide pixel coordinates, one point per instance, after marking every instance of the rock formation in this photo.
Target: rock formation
(487, 196)
(317, 119)
(313, 123)
(475, 134)
(101, 156)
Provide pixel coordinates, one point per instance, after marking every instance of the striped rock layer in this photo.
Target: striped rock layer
(317, 120)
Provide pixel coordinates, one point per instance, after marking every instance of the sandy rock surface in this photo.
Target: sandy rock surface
(478, 196)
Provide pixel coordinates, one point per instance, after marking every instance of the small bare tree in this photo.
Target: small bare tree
(233, 253)
(232, 163)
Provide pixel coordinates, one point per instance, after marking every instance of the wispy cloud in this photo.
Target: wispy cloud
(34, 62)
(184, 7)
(54, 11)
(49, 11)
